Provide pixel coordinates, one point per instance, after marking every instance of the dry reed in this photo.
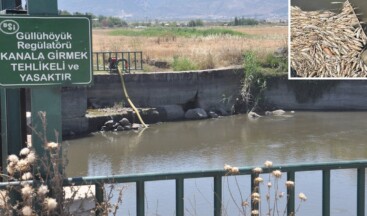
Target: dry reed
(213, 51)
(327, 44)
(271, 194)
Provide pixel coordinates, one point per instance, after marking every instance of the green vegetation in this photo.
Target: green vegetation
(254, 83)
(274, 65)
(251, 62)
(100, 21)
(178, 32)
(194, 23)
(256, 73)
(115, 22)
(268, 65)
(244, 21)
(110, 22)
(183, 64)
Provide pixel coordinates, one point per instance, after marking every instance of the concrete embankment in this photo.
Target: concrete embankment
(328, 95)
(173, 93)
(156, 89)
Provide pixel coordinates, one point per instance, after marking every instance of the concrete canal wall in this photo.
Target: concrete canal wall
(209, 89)
(330, 95)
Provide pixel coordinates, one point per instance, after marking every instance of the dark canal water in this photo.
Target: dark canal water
(302, 137)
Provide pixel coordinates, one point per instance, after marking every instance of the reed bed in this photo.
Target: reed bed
(327, 44)
(213, 51)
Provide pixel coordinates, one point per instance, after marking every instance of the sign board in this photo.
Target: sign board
(43, 51)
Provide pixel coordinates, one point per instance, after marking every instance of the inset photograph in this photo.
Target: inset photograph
(328, 39)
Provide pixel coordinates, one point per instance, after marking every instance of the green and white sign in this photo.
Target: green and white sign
(38, 51)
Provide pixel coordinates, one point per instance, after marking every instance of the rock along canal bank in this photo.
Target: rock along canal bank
(173, 96)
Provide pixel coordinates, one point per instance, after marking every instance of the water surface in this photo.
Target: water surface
(302, 137)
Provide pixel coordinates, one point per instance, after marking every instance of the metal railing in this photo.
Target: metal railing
(218, 175)
(134, 60)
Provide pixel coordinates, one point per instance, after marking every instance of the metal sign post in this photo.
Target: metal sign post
(13, 129)
(45, 99)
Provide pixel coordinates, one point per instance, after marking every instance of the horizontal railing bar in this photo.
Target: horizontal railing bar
(117, 52)
(222, 172)
(179, 177)
(206, 173)
(14, 183)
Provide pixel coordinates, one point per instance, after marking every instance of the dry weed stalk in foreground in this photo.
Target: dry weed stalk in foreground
(327, 44)
(21, 168)
(273, 194)
(41, 191)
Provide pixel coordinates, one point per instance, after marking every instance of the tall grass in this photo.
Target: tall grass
(176, 32)
(256, 71)
(212, 49)
(183, 64)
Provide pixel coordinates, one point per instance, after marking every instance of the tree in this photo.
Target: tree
(194, 23)
(244, 21)
(64, 12)
(236, 23)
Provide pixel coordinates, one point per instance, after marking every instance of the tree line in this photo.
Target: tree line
(111, 22)
(100, 21)
(244, 21)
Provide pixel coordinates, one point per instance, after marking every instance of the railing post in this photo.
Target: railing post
(99, 197)
(179, 196)
(103, 60)
(97, 60)
(254, 189)
(135, 59)
(140, 201)
(129, 60)
(361, 191)
(141, 60)
(13, 120)
(326, 192)
(217, 195)
(290, 194)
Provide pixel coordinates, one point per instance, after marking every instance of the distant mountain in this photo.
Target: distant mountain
(180, 9)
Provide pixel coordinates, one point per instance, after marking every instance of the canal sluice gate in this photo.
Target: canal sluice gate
(328, 43)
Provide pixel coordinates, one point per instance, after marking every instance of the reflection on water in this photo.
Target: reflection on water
(199, 145)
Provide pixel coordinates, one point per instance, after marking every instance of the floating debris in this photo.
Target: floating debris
(327, 44)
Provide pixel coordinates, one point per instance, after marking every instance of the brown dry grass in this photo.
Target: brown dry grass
(223, 51)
